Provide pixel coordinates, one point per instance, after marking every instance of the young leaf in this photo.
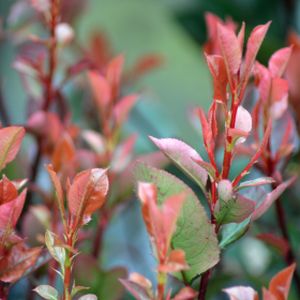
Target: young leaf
(241, 293)
(270, 198)
(47, 292)
(217, 69)
(184, 157)
(58, 191)
(8, 191)
(10, 143)
(231, 51)
(11, 211)
(280, 284)
(87, 192)
(101, 90)
(186, 293)
(194, 234)
(57, 252)
(88, 297)
(113, 74)
(160, 221)
(123, 108)
(254, 42)
(255, 182)
(279, 61)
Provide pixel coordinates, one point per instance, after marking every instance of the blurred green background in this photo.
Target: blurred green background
(176, 30)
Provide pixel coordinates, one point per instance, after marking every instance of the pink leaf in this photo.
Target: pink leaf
(10, 143)
(184, 156)
(270, 198)
(279, 61)
(231, 51)
(123, 154)
(186, 293)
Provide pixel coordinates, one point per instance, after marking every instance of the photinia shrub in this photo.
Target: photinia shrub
(53, 229)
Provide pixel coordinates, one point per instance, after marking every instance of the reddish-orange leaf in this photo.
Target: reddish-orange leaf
(19, 260)
(254, 42)
(101, 90)
(58, 189)
(280, 284)
(10, 143)
(64, 152)
(87, 192)
(11, 211)
(218, 71)
(231, 51)
(8, 191)
(147, 193)
(113, 75)
(175, 262)
(278, 242)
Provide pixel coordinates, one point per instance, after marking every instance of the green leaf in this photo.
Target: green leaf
(235, 210)
(58, 253)
(233, 232)
(47, 292)
(194, 234)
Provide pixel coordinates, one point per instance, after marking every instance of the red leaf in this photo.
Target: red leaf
(10, 143)
(63, 153)
(254, 42)
(113, 75)
(19, 260)
(123, 108)
(58, 189)
(87, 192)
(275, 241)
(101, 90)
(279, 61)
(11, 211)
(280, 284)
(217, 69)
(8, 191)
(231, 51)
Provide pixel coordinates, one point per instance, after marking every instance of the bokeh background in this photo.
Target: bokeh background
(174, 29)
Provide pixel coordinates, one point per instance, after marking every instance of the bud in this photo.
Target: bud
(243, 122)
(225, 190)
(64, 33)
